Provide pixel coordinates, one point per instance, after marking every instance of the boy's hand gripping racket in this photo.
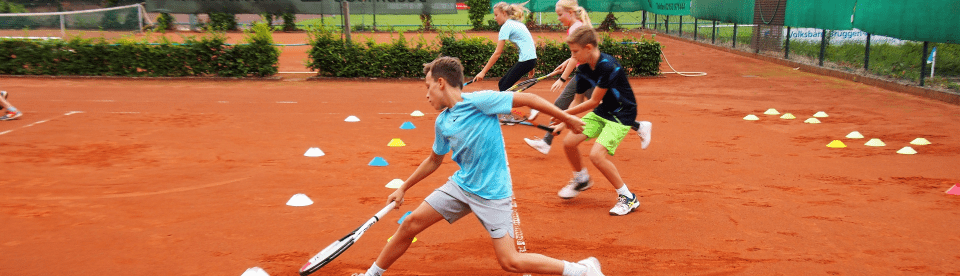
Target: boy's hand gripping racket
(336, 248)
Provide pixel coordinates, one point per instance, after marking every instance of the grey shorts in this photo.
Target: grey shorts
(453, 203)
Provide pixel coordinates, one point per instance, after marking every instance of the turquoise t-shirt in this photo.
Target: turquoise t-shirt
(517, 33)
(471, 130)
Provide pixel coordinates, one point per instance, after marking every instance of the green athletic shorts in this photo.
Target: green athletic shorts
(608, 133)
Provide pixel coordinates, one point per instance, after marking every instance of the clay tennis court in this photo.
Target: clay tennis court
(191, 177)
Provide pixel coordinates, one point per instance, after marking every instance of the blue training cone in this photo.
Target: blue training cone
(378, 162)
(407, 125)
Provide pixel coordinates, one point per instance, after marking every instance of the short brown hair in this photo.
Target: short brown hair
(448, 68)
(583, 36)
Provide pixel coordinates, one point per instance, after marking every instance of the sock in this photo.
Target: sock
(548, 138)
(375, 270)
(582, 175)
(625, 191)
(574, 269)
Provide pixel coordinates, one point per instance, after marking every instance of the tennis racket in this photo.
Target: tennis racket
(469, 82)
(515, 117)
(523, 85)
(336, 248)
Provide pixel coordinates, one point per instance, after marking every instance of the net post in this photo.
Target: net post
(866, 55)
(923, 62)
(643, 22)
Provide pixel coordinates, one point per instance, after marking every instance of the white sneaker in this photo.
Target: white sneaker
(533, 114)
(574, 188)
(538, 144)
(625, 205)
(593, 266)
(644, 131)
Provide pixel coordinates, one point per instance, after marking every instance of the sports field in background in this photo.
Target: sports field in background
(105, 176)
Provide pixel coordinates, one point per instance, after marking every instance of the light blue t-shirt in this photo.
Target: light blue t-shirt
(517, 33)
(471, 130)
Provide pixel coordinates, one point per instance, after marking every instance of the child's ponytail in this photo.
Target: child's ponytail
(515, 11)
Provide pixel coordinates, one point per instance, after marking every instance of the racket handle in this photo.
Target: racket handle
(385, 210)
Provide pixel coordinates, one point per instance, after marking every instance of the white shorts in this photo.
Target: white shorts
(453, 203)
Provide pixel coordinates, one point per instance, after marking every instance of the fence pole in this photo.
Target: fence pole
(643, 24)
(713, 37)
(823, 45)
(923, 61)
(681, 26)
(696, 28)
(666, 25)
(734, 35)
(866, 55)
(346, 20)
(786, 51)
(655, 22)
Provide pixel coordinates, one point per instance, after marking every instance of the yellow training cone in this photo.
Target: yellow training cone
(821, 114)
(787, 116)
(875, 142)
(907, 150)
(772, 112)
(920, 142)
(751, 117)
(836, 144)
(812, 121)
(396, 142)
(855, 135)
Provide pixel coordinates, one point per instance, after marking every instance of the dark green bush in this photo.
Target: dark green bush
(207, 56)
(220, 21)
(165, 22)
(478, 10)
(333, 57)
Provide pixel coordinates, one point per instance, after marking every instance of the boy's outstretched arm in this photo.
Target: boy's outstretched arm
(536, 102)
(427, 167)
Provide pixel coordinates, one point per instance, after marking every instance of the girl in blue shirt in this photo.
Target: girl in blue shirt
(509, 17)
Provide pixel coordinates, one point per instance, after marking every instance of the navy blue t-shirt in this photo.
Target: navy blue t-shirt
(618, 104)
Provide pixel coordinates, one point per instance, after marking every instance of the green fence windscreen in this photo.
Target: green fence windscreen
(303, 6)
(821, 14)
(929, 20)
(589, 5)
(666, 7)
(732, 11)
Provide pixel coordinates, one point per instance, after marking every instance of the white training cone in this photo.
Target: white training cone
(394, 184)
(313, 152)
(907, 150)
(855, 135)
(920, 142)
(416, 113)
(299, 200)
(875, 142)
(352, 119)
(255, 271)
(812, 121)
(788, 116)
(751, 117)
(771, 112)
(821, 114)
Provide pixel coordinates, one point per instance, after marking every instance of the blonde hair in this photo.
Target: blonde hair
(576, 9)
(583, 36)
(515, 11)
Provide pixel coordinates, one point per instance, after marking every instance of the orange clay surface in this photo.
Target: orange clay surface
(191, 177)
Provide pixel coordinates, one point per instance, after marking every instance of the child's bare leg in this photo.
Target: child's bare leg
(570, 143)
(598, 155)
(421, 218)
(515, 262)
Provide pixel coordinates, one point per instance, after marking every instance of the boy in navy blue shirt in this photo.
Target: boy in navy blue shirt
(614, 111)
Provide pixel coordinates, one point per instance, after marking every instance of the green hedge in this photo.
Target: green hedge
(333, 57)
(207, 56)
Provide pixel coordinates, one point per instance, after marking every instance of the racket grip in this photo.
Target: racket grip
(385, 210)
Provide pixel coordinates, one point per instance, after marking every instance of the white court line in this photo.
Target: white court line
(286, 102)
(41, 121)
